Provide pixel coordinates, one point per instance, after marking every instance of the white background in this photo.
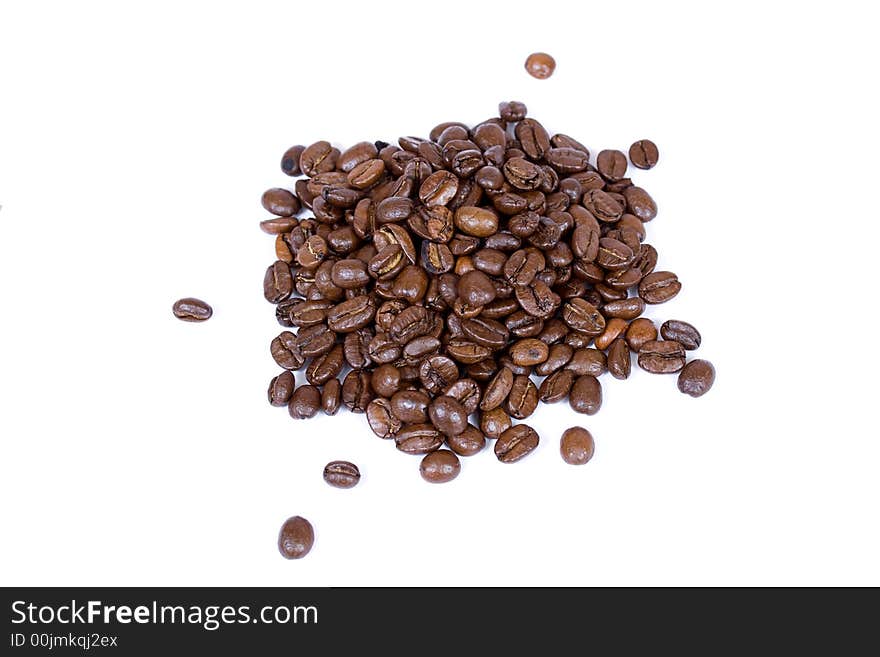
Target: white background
(135, 141)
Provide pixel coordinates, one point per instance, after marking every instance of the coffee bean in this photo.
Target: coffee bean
(440, 466)
(540, 65)
(326, 366)
(357, 391)
(640, 331)
(586, 395)
(556, 387)
(468, 442)
(585, 362)
(495, 422)
(448, 415)
(516, 443)
(613, 329)
(611, 164)
(640, 203)
(529, 351)
(331, 397)
(661, 357)
(192, 310)
(629, 308)
(466, 392)
(619, 359)
(512, 111)
(342, 474)
(278, 282)
(411, 406)
(682, 332)
(280, 202)
(304, 402)
(583, 316)
(659, 287)
(576, 446)
(318, 158)
(296, 538)
(644, 154)
(438, 373)
(418, 439)
(696, 378)
(523, 398)
(281, 388)
(290, 160)
(382, 419)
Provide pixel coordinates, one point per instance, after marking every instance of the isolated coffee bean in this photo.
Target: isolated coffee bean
(586, 395)
(192, 310)
(342, 474)
(576, 446)
(516, 443)
(696, 378)
(661, 357)
(440, 467)
(296, 538)
(644, 154)
(682, 332)
(540, 65)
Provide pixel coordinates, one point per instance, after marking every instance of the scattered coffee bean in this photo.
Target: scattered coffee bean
(342, 474)
(644, 154)
(440, 466)
(576, 446)
(192, 310)
(661, 357)
(586, 395)
(516, 443)
(540, 65)
(296, 538)
(682, 332)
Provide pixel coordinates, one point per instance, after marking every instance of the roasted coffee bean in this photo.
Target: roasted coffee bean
(614, 254)
(512, 111)
(318, 158)
(682, 332)
(614, 327)
(661, 357)
(436, 258)
(290, 160)
(192, 310)
(382, 419)
(640, 331)
(351, 314)
(497, 390)
(558, 356)
(418, 439)
(611, 164)
(287, 352)
(350, 274)
(411, 406)
(325, 367)
(576, 446)
(529, 351)
(659, 287)
(537, 299)
(448, 415)
(356, 348)
(385, 380)
(342, 474)
(624, 308)
(540, 65)
(619, 359)
(494, 422)
(440, 466)
(644, 154)
(357, 391)
(522, 399)
(438, 373)
(587, 362)
(314, 341)
(278, 225)
(696, 378)
(516, 443)
(533, 137)
(296, 538)
(583, 316)
(468, 442)
(280, 202)
(466, 392)
(304, 402)
(586, 395)
(476, 289)
(331, 397)
(281, 388)
(640, 203)
(556, 386)
(278, 282)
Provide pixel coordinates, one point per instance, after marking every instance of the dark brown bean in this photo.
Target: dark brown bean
(296, 538)
(576, 446)
(192, 310)
(586, 395)
(682, 332)
(696, 378)
(516, 443)
(342, 474)
(661, 357)
(659, 287)
(440, 467)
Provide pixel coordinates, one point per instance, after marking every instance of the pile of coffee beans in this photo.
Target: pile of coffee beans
(443, 287)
